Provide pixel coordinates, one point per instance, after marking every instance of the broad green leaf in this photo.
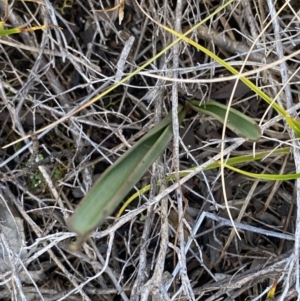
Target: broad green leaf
(116, 182)
(238, 122)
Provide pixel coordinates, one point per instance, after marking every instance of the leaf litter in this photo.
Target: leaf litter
(181, 246)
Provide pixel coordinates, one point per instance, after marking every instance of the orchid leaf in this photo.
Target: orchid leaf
(238, 122)
(117, 181)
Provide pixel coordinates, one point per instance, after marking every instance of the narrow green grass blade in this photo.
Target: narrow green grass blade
(262, 176)
(230, 161)
(243, 159)
(5, 32)
(238, 122)
(295, 124)
(116, 182)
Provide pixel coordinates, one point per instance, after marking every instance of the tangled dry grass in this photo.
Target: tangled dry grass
(173, 243)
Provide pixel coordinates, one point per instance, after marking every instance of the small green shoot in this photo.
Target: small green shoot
(5, 32)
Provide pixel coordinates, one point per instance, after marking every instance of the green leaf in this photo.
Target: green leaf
(294, 124)
(231, 161)
(117, 181)
(238, 122)
(16, 30)
(262, 176)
